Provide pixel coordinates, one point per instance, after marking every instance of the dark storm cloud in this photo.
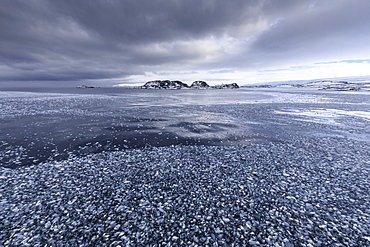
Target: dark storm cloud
(42, 39)
(80, 40)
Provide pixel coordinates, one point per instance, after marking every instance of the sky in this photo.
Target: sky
(130, 42)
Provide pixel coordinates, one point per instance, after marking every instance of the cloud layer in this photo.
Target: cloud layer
(114, 41)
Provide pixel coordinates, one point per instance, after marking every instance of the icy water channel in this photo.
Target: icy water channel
(114, 166)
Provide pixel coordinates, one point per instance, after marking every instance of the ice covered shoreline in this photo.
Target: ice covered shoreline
(267, 194)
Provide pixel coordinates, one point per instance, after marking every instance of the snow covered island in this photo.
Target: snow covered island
(167, 84)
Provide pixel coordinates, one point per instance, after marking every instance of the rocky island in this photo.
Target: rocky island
(167, 84)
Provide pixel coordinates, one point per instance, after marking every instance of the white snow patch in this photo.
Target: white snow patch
(327, 116)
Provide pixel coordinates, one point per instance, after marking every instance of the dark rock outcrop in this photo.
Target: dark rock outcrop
(84, 86)
(199, 85)
(165, 84)
(222, 86)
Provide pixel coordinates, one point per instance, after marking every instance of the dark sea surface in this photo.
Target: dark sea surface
(52, 123)
(118, 166)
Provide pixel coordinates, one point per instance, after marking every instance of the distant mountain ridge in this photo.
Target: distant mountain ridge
(167, 84)
(340, 85)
